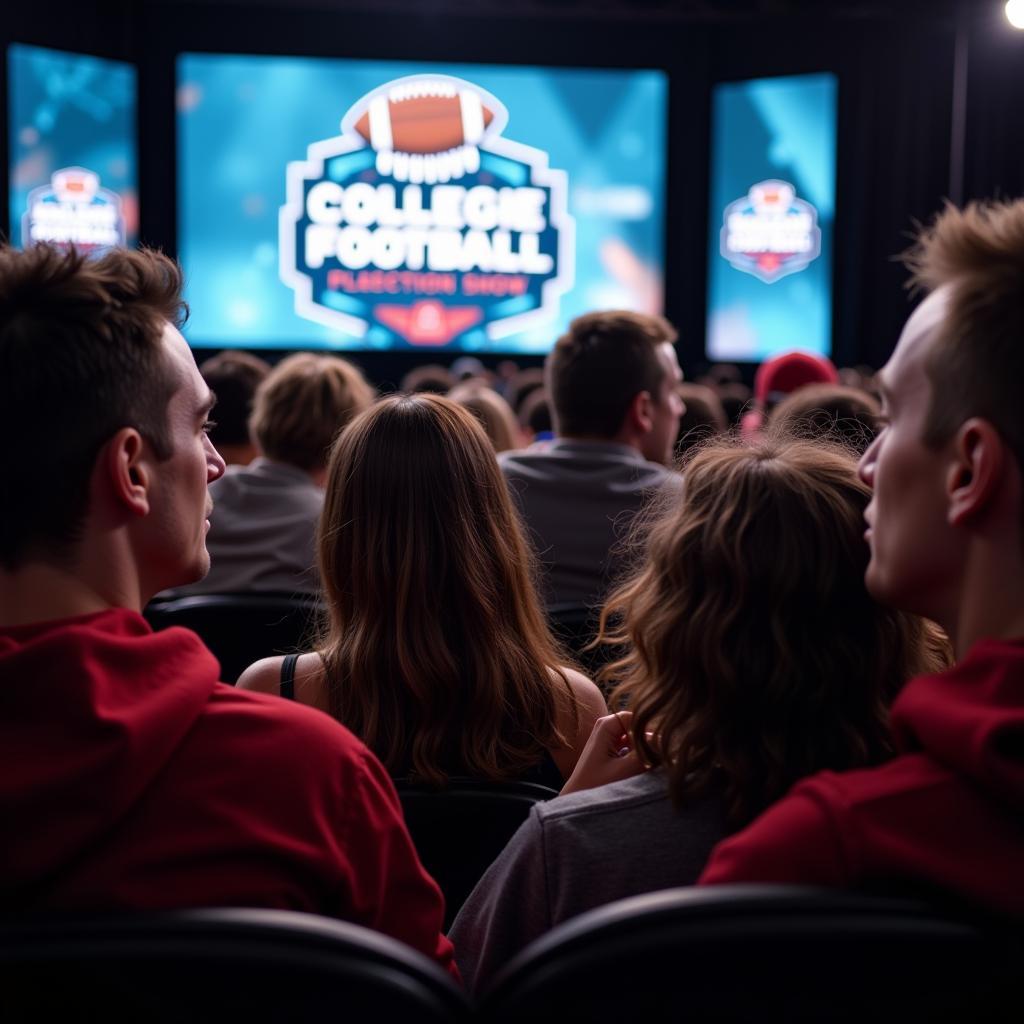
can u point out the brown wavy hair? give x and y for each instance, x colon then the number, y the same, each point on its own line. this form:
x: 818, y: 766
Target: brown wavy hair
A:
x: 437, y: 654
x: 757, y: 656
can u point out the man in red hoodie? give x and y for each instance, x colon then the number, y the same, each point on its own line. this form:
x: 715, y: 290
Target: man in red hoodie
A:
x: 946, y: 531
x: 132, y: 777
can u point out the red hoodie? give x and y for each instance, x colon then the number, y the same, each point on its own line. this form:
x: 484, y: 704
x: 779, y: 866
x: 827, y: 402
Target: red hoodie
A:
x: 948, y: 812
x: 132, y: 778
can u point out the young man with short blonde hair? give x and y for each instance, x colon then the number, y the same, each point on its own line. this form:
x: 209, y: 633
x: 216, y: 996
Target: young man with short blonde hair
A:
x: 946, y: 532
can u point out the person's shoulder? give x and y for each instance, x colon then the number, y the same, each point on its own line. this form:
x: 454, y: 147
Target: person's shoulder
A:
x: 249, y: 720
x: 230, y: 480
x: 896, y: 780
x: 263, y: 676
x: 520, y: 459
x: 585, y: 690
x: 655, y: 475
x: 613, y: 799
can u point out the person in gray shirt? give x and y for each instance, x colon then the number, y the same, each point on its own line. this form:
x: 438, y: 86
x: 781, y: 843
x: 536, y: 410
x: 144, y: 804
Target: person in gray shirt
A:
x: 755, y: 657
x: 263, y: 525
x: 612, y: 379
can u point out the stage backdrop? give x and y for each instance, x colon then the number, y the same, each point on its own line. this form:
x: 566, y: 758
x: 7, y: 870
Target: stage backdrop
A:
x: 387, y: 205
x: 773, y: 172
x: 72, y: 149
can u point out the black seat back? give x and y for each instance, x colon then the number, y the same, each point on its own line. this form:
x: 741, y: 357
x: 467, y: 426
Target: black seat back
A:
x: 241, y: 628
x: 575, y: 626
x: 460, y: 829
x: 221, y: 964
x: 763, y: 953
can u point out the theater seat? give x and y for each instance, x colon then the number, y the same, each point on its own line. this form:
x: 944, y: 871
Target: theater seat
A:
x: 764, y: 953
x: 460, y: 829
x: 241, y: 628
x: 219, y: 964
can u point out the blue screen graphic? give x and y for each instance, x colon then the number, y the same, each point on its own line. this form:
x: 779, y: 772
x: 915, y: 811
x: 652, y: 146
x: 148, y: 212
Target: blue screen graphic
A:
x: 388, y: 205
x: 771, y: 217
x: 73, y: 152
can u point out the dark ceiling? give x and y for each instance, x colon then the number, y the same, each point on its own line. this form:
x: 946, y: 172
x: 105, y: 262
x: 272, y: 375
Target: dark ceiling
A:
x: 692, y: 11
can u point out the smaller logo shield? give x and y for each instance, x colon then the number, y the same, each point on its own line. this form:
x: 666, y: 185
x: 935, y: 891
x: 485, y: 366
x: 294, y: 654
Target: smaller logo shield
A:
x: 769, y: 232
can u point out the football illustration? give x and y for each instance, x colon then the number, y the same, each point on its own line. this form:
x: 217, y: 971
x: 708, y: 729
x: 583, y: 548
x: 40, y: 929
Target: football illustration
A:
x: 424, y: 115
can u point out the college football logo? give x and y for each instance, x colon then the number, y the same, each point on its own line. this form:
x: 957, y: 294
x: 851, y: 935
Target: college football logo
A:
x: 421, y: 225
x: 74, y: 210
x: 769, y: 232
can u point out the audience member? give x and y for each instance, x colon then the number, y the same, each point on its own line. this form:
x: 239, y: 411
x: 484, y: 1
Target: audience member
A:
x: 535, y: 419
x: 844, y: 414
x: 436, y: 653
x: 703, y: 416
x: 780, y: 376
x: 133, y: 778
x: 755, y: 657
x: 612, y: 380
x: 719, y: 375
x: 263, y: 526
x: 469, y: 368
x: 493, y: 412
x: 861, y: 376
x: 736, y: 399
x: 233, y: 377
x: 946, y: 538
x: 430, y: 377
x: 522, y: 385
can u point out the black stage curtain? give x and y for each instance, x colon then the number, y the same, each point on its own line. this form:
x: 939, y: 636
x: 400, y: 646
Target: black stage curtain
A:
x: 994, y: 165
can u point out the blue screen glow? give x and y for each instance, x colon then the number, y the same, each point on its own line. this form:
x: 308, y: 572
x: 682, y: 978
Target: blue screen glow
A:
x: 368, y: 205
x: 771, y: 217
x: 72, y: 145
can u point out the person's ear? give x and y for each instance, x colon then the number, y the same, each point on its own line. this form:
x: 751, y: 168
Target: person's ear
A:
x: 128, y: 470
x: 641, y: 412
x: 976, y: 469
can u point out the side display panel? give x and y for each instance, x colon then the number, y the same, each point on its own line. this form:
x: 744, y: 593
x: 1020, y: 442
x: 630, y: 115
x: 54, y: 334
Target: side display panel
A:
x: 368, y: 205
x: 72, y: 149
x: 771, y: 217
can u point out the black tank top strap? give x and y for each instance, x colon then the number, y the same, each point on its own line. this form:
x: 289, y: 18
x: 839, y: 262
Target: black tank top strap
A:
x: 287, y: 689
x: 546, y: 773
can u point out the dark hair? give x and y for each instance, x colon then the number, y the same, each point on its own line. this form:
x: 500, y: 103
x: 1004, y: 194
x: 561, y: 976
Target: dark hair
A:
x: 522, y: 384
x: 976, y: 365
x: 233, y: 377
x: 80, y: 358
x: 535, y: 412
x: 430, y: 377
x: 600, y: 365
x: 703, y: 416
x: 735, y: 398
x: 757, y: 655
x: 834, y: 412
x: 437, y: 654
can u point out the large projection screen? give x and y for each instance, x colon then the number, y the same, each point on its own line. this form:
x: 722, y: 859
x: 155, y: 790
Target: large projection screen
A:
x: 771, y: 217
x: 72, y: 144
x: 361, y: 205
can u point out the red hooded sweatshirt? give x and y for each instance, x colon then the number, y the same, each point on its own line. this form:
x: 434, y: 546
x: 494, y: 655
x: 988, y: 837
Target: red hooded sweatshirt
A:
x: 132, y: 778
x: 947, y: 813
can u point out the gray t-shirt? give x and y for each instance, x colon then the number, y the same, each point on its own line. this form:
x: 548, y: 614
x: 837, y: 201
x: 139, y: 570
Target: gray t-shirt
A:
x: 578, y: 852
x: 262, y: 531
x: 578, y: 500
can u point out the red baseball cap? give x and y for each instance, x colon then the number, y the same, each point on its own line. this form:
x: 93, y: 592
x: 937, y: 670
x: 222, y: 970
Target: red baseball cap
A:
x: 783, y: 374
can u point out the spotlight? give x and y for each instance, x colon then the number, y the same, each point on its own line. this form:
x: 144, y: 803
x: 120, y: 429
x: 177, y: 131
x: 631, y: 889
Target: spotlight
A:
x: 1015, y: 13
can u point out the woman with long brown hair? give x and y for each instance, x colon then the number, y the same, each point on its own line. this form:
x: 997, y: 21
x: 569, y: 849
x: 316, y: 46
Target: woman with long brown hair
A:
x: 436, y: 652
x: 754, y: 656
